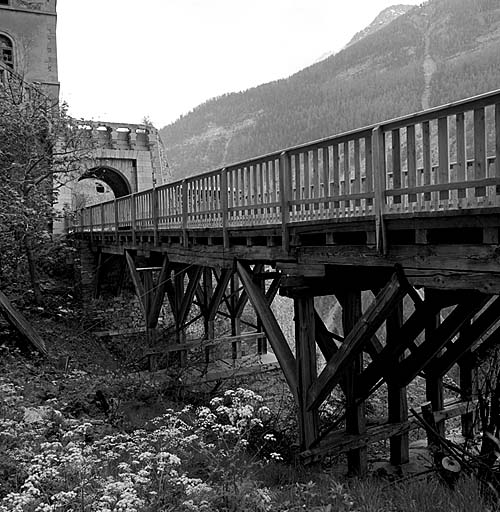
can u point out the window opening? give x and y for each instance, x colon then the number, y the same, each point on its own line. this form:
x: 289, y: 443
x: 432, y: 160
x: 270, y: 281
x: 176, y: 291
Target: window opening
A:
x: 6, y: 52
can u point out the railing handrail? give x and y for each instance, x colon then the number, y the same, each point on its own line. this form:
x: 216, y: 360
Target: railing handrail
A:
x: 390, y: 124
x: 350, y: 167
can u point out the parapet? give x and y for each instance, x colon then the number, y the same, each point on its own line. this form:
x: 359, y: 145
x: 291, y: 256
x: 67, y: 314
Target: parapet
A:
x: 124, y: 136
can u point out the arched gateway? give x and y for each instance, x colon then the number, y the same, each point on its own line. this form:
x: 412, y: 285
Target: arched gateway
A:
x: 127, y: 158
x: 116, y: 181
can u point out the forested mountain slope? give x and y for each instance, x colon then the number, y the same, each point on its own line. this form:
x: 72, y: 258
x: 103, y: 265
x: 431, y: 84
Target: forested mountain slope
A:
x: 441, y: 51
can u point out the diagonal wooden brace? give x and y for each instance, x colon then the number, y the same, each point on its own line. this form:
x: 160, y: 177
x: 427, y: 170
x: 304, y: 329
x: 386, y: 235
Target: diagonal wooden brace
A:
x: 354, y: 342
x: 271, y: 327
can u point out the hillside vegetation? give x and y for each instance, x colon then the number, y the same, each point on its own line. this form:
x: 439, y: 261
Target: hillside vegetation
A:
x: 379, y: 77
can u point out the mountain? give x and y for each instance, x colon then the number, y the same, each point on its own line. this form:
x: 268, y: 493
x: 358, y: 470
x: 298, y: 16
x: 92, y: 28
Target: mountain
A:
x: 384, y: 18
x: 438, y: 52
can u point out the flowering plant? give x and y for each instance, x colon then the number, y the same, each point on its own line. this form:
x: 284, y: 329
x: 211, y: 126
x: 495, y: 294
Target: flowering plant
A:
x: 183, y: 460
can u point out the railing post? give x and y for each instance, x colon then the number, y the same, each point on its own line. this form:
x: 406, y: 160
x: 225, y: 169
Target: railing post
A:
x: 102, y: 220
x: 91, y: 224
x: 378, y: 167
x: 284, y: 176
x: 116, y: 221
x: 224, y: 206
x: 155, y: 213
x: 133, y: 218
x: 184, y: 213
x: 80, y: 216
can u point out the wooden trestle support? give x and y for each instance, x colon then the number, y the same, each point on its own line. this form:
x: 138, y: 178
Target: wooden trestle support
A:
x: 402, y: 334
x: 332, y: 218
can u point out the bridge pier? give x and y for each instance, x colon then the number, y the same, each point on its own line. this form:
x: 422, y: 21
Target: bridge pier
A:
x: 86, y: 270
x: 397, y: 400
x: 355, y: 410
x: 305, y: 356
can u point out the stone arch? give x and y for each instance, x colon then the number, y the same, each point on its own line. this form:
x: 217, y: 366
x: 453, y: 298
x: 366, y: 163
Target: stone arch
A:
x: 118, y: 183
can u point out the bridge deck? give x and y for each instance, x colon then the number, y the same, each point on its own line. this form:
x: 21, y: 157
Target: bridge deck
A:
x: 422, y: 190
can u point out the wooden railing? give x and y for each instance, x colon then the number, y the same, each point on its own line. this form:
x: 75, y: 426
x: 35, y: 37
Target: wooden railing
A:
x: 439, y: 159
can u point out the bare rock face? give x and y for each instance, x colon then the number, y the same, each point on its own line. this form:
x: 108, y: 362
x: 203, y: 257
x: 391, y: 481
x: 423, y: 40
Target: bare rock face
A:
x: 384, y: 18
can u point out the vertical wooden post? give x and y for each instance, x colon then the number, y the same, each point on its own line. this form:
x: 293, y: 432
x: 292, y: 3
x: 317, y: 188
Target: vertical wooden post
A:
x: 155, y: 213
x: 305, y: 348
x: 433, y: 384
x: 480, y: 171
x: 133, y: 218
x: 235, y: 317
x: 224, y: 206
x: 284, y: 178
x: 411, y: 158
x: 102, y: 221
x: 261, y: 342
x: 91, y: 221
x: 497, y: 144
x: 147, y: 282
x: 208, y: 292
x: 355, y: 413
x: 184, y: 205
x: 179, y: 294
x: 466, y: 365
x: 396, y: 395
x: 427, y: 157
x: 461, y: 160
x: 396, y: 162
x: 116, y: 222
x: 444, y: 156
x: 208, y: 323
x: 378, y: 167
x: 98, y: 275
x: 326, y: 175
x: 148, y: 300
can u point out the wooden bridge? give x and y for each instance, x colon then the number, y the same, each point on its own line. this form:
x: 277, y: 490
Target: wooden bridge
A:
x: 407, y: 205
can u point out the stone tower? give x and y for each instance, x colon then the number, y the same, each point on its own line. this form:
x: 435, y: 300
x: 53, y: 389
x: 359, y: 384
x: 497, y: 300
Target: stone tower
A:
x: 28, y: 42
x: 128, y: 158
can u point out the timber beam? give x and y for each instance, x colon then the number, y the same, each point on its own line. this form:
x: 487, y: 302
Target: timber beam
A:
x: 442, y: 363
x: 339, y: 442
x: 480, y: 353
x: 272, y: 329
x: 444, y: 267
x: 355, y: 418
x: 354, y: 342
x: 159, y: 295
x: 325, y: 339
x: 218, y: 294
x: 194, y: 275
x: 305, y: 349
x: 424, y: 353
x: 397, y: 401
x: 372, y: 376
x: 479, y: 258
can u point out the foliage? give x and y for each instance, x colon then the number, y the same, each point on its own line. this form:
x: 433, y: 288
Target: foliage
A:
x: 40, y: 148
x: 190, y: 459
x: 221, y: 456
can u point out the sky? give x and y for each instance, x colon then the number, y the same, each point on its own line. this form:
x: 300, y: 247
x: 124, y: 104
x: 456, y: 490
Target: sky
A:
x: 124, y: 60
